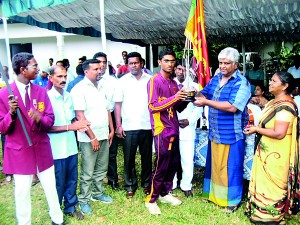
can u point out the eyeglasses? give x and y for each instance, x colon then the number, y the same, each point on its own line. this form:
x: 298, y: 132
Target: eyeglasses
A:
x: 169, y: 61
x: 33, y: 67
x: 273, y: 81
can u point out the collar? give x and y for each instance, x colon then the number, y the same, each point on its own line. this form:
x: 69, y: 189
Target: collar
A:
x: 56, y: 94
x: 143, y: 75
x: 234, y: 75
x: 22, y: 86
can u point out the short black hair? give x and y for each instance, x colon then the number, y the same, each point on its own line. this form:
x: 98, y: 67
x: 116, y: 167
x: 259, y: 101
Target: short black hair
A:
x: 61, y: 61
x: 257, y: 60
x: 79, y: 69
x: 51, y: 59
x: 287, y: 78
x: 66, y: 60
x: 21, y: 60
x: 6, y: 67
x: 164, y: 52
x: 134, y: 54
x: 86, y: 63
x: 100, y: 54
x: 179, y: 62
x: 262, y: 87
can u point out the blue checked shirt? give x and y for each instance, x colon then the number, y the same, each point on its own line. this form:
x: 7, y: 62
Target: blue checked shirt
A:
x: 227, y: 127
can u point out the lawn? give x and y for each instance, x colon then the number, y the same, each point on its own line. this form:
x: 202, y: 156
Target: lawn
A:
x: 132, y: 211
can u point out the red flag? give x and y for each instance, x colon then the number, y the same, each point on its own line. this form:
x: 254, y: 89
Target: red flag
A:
x: 195, y: 33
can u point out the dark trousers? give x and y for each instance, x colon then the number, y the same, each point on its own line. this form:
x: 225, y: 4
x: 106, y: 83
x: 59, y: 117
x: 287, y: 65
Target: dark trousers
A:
x: 134, y: 139
x: 3, y: 144
x: 66, y: 175
x: 112, y: 170
x: 165, y: 165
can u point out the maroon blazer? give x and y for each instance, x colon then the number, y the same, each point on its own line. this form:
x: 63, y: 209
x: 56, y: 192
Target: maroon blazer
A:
x: 19, y: 157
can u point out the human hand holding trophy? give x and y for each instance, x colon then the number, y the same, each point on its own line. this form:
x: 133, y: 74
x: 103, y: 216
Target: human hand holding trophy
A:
x: 189, y: 88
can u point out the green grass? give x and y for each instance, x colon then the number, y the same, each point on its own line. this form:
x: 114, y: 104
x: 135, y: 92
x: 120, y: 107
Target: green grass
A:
x: 131, y: 211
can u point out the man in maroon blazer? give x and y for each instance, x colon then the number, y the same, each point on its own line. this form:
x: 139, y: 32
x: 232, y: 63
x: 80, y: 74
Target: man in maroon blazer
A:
x: 20, y: 159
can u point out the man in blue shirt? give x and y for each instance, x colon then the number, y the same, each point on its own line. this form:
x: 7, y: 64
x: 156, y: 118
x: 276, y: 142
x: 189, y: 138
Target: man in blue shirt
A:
x: 227, y: 95
x: 63, y: 142
x: 42, y: 78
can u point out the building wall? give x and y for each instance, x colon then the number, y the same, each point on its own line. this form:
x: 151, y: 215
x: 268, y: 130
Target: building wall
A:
x: 44, y: 45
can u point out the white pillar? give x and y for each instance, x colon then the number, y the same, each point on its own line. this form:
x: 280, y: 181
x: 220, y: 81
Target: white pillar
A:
x: 8, y: 54
x: 60, y: 41
x: 102, y: 24
x: 244, y: 58
x: 151, y: 57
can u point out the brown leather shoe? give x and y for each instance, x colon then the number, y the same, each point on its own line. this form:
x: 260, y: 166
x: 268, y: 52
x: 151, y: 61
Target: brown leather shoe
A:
x: 147, y: 190
x: 130, y: 194
x: 77, y: 214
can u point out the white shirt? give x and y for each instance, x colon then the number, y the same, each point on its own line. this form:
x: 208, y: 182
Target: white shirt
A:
x: 94, y: 103
x: 256, y: 111
x: 22, y: 89
x: 297, y: 101
x: 63, y: 144
x: 295, y: 72
x: 109, y: 83
x: 133, y: 95
x: 191, y: 113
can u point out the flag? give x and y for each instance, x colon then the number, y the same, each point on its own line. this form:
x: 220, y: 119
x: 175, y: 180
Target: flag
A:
x: 195, y: 33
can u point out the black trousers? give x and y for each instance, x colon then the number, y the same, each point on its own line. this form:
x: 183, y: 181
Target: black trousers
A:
x: 141, y: 139
x: 112, y: 170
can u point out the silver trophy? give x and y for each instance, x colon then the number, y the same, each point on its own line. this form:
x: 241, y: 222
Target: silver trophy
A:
x: 189, y: 79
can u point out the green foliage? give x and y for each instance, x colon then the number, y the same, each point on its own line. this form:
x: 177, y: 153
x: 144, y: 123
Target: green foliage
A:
x: 284, y: 55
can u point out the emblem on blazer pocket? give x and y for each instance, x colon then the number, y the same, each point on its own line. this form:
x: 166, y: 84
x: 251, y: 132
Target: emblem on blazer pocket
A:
x: 41, y: 106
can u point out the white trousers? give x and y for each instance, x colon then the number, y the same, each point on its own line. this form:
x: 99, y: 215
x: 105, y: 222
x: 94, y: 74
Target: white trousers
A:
x: 186, y: 148
x: 23, y: 199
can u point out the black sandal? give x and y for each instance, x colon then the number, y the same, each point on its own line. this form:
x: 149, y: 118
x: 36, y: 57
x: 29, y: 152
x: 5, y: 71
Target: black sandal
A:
x: 231, y: 209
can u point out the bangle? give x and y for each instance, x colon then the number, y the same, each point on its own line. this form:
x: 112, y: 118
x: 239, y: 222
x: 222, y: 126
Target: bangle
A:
x: 118, y: 127
x: 67, y: 127
x: 93, y: 139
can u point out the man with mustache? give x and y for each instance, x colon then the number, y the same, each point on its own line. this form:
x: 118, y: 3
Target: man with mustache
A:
x: 109, y: 83
x: 227, y: 95
x: 90, y: 103
x: 63, y: 142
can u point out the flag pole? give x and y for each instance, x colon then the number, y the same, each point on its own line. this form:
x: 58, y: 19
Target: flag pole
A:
x: 18, y: 110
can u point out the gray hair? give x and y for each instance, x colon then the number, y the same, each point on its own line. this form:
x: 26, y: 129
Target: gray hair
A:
x: 229, y: 53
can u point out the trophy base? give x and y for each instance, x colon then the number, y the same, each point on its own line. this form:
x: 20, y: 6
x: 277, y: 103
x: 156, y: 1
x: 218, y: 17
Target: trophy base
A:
x: 190, y: 96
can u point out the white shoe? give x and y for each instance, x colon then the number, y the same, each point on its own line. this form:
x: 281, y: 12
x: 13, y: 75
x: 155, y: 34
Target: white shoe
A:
x: 153, y: 208
x: 170, y: 199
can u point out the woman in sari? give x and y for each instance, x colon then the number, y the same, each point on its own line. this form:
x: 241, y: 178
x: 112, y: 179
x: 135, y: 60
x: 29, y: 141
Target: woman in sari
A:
x: 272, y: 183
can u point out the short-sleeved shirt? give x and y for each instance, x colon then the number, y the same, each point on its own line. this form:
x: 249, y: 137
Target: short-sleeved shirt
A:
x: 227, y: 127
x: 92, y: 100
x: 132, y: 93
x: 109, y: 83
x: 295, y: 72
x: 63, y: 144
